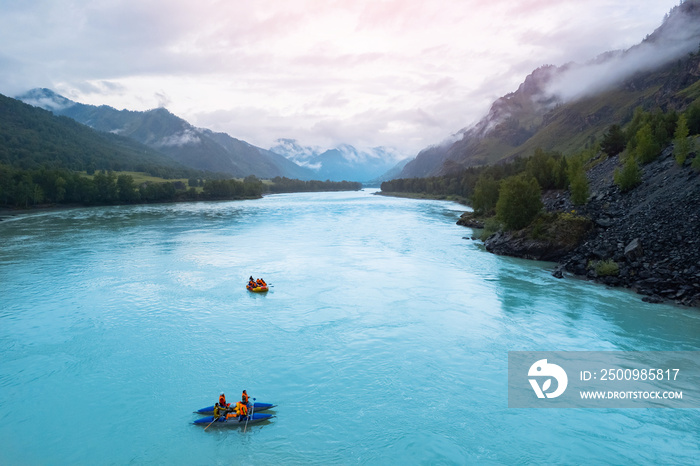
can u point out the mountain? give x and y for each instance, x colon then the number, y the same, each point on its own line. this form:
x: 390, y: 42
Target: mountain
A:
x: 33, y: 137
x: 391, y: 174
x: 344, y: 162
x: 174, y: 137
x: 292, y: 150
x: 568, y: 108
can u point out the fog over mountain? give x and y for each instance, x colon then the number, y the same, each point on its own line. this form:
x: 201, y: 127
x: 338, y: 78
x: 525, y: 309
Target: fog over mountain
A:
x: 678, y: 35
x: 516, y: 118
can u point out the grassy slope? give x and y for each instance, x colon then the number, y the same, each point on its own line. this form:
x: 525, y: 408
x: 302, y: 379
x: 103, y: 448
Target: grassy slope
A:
x: 570, y: 128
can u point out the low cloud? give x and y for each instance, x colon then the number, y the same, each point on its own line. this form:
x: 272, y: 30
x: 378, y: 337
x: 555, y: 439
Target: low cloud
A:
x: 163, y: 99
x: 180, y: 139
x: 677, y: 37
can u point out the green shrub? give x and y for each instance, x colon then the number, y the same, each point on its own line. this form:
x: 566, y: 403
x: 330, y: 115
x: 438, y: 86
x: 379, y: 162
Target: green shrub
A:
x: 606, y: 268
x: 563, y: 228
x: 538, y: 228
x: 485, y: 195
x: 519, y: 201
x: 491, y: 226
x: 630, y: 175
x: 578, y: 184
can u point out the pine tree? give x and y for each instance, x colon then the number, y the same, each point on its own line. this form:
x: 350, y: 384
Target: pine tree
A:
x: 647, y: 149
x: 578, y: 185
x: 613, y: 141
x: 681, y: 143
x: 630, y: 175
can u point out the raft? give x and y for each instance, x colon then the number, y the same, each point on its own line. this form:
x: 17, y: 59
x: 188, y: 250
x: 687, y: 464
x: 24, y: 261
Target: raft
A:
x: 257, y: 289
x: 252, y: 419
x: 254, y: 408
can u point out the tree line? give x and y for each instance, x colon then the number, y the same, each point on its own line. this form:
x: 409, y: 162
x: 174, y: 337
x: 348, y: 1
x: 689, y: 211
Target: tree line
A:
x: 516, y: 183
x: 281, y: 184
x: 44, y: 185
x: 26, y: 188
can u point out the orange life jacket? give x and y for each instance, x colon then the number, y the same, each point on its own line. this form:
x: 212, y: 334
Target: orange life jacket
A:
x: 222, y: 401
x: 259, y: 282
x: 244, y: 398
x: 242, y: 409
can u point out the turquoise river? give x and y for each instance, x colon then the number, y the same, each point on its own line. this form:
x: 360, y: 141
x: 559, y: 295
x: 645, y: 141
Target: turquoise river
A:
x: 384, y: 339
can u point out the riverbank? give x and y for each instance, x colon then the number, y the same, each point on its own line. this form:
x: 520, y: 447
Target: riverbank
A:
x: 10, y: 212
x: 647, y: 239
x: 651, y: 233
x: 433, y: 197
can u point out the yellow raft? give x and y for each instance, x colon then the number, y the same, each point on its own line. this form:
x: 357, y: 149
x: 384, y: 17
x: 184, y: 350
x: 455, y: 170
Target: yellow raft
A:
x: 257, y: 289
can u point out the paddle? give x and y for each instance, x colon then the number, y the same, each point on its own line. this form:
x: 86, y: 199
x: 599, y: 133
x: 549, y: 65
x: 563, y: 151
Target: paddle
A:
x: 248, y: 417
x: 212, y: 422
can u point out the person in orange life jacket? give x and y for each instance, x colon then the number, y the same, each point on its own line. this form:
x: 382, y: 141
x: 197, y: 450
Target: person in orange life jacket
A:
x: 240, y: 411
x: 222, y: 401
x: 244, y: 398
x: 252, y: 283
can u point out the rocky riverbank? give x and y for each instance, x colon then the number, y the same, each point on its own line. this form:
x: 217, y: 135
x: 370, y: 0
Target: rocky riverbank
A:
x: 647, y: 239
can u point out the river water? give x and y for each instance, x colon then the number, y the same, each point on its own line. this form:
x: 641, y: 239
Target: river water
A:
x: 384, y: 339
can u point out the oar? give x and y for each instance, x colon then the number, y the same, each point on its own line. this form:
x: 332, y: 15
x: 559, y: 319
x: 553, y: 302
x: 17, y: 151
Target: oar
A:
x: 212, y: 422
x: 248, y: 417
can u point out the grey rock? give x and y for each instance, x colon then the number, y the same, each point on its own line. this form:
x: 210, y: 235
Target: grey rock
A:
x: 634, y: 250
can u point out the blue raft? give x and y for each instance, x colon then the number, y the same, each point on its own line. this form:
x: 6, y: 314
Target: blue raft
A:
x: 253, y: 408
x: 234, y: 421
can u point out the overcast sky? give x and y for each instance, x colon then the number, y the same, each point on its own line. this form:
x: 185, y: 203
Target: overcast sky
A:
x: 396, y: 73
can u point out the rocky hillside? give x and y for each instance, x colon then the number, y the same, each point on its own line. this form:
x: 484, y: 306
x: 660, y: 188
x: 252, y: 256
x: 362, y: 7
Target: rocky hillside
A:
x: 647, y: 239
x: 652, y: 232
x: 567, y: 108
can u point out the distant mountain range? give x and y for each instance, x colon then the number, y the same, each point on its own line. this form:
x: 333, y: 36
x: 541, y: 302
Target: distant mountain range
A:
x: 570, y: 107
x: 341, y: 163
x: 204, y: 149
x: 174, y: 137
